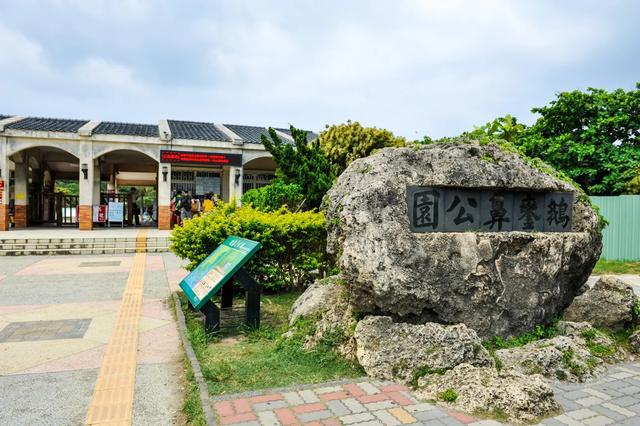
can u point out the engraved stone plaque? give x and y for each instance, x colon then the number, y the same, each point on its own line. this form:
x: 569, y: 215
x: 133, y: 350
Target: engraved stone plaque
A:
x: 528, y: 211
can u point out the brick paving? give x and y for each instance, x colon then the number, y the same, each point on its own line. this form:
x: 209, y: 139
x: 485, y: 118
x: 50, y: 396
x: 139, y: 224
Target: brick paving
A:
x: 612, y: 399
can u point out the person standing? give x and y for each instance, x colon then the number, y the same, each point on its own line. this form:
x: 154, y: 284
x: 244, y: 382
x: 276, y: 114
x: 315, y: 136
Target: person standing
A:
x: 185, y: 206
x: 207, y: 204
x: 134, y: 206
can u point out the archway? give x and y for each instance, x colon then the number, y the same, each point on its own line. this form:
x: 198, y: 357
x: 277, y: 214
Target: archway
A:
x: 129, y: 177
x: 43, y: 187
x: 258, y: 172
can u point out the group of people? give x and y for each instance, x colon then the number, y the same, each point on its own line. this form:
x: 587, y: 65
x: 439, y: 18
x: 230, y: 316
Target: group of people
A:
x: 185, y: 206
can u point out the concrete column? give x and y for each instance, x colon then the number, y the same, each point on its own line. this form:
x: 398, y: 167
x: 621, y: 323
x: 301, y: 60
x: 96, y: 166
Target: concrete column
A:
x: 234, y: 184
x: 21, y: 192
x: 96, y: 182
x: 224, y: 188
x: 86, y: 199
x: 4, y: 177
x: 164, y: 196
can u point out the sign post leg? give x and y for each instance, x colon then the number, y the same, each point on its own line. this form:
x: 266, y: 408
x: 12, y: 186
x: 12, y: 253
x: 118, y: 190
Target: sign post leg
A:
x: 227, y: 295
x: 252, y: 298
x: 252, y: 307
x: 211, y: 317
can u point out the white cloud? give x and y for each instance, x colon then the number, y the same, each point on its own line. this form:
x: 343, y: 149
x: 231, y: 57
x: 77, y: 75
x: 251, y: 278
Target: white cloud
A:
x: 103, y: 75
x: 18, y: 53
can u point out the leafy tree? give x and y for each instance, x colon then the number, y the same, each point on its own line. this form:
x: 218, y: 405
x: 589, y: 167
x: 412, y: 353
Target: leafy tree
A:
x: 346, y: 142
x: 506, y: 128
x: 67, y: 187
x: 302, y: 163
x: 272, y: 197
x: 592, y: 136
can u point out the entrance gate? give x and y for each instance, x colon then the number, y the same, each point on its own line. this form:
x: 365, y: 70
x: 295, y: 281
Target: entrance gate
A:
x: 66, y: 209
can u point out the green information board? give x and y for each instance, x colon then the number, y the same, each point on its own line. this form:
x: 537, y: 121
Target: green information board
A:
x: 213, y: 272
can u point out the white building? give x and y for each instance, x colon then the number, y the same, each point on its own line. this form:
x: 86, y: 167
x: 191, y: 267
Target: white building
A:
x: 103, y: 156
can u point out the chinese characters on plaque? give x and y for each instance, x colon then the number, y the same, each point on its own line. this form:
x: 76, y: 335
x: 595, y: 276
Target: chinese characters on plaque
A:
x: 433, y: 209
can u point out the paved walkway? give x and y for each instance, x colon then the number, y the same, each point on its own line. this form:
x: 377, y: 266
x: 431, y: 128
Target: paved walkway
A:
x: 60, y: 317
x: 37, y: 233
x: 612, y: 399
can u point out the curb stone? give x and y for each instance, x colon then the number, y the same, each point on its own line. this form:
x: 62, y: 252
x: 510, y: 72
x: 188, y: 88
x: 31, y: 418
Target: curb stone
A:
x: 195, y: 365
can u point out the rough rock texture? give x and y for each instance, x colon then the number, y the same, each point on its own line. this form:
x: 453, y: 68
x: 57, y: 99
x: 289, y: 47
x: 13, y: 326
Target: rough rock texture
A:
x: 486, y: 391
x: 500, y: 283
x: 404, y: 352
x: 634, y: 342
x: 326, y: 302
x: 609, y: 303
x: 580, y: 353
x: 560, y: 358
x: 317, y: 298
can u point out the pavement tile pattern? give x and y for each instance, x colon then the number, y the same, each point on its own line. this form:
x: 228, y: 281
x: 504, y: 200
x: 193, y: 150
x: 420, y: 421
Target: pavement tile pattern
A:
x: 57, y: 315
x: 363, y: 402
x: 29, y: 331
x: 613, y: 399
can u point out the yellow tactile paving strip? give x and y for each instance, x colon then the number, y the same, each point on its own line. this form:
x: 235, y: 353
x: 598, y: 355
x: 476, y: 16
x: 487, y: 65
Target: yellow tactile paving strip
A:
x: 112, y: 401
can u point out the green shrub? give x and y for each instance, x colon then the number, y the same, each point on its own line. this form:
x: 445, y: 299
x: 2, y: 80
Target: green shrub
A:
x: 448, y: 395
x: 293, y: 244
x: 539, y: 332
x: 271, y: 197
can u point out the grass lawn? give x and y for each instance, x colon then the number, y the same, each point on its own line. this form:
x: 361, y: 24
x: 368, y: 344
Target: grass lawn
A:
x: 616, y: 267
x: 242, y: 359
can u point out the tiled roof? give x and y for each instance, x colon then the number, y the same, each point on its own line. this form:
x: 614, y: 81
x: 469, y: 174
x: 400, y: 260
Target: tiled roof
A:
x: 112, y: 128
x: 249, y: 134
x: 195, y: 130
x: 48, y: 124
x: 310, y: 135
x: 179, y: 129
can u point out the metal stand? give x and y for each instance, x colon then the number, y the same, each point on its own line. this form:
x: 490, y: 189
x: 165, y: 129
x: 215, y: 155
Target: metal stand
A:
x: 252, y: 302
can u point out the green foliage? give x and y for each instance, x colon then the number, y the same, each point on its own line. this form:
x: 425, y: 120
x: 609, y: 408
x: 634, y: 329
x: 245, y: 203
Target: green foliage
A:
x: 192, y: 406
x: 302, y: 163
x: 346, y: 142
x: 505, y: 128
x: 616, y: 267
x: 67, y: 187
x: 293, y: 244
x: 448, y: 395
x: 636, y: 310
x: 425, y: 371
x: 539, y: 332
x: 250, y: 359
x: 271, y: 197
x: 569, y: 362
x: 592, y: 136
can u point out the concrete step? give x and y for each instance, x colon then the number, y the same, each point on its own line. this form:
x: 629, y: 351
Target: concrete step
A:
x: 58, y: 246
x: 92, y: 251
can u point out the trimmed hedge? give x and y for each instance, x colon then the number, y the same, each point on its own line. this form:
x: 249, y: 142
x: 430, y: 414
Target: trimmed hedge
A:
x: 293, y: 244
x: 272, y: 197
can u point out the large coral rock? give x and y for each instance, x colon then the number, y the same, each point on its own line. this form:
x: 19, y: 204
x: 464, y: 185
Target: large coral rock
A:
x: 500, y: 283
x: 578, y: 354
x: 404, y: 352
x: 609, y: 303
x: 325, y: 303
x: 508, y: 394
x: 634, y: 342
x: 317, y: 298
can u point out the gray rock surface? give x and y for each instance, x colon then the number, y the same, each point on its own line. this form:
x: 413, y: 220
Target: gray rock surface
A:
x: 317, y: 298
x: 578, y: 354
x: 500, y: 283
x: 400, y: 351
x: 560, y: 358
x: 326, y: 303
x: 634, y: 342
x: 609, y: 303
x: 502, y: 394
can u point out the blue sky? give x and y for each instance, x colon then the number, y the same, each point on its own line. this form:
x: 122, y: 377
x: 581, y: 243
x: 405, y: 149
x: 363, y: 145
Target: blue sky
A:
x: 414, y: 67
